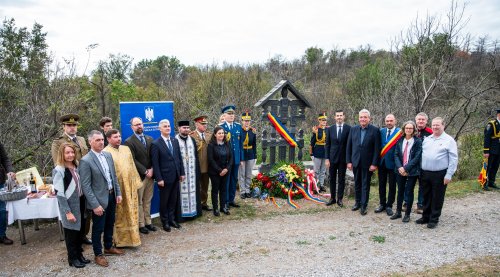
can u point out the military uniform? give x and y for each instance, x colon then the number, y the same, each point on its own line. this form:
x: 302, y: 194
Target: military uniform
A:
x: 492, y: 147
x: 318, y: 151
x: 234, y: 135
x: 79, y: 142
x: 202, y: 141
x: 249, y: 157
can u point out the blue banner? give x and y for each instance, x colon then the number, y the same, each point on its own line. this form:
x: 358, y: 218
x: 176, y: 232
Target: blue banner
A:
x: 151, y: 113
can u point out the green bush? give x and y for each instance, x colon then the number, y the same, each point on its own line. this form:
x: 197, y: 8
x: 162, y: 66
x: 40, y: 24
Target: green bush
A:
x: 470, y: 156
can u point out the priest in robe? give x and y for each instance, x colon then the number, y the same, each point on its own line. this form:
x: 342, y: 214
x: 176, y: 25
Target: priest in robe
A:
x: 126, y: 232
x: 190, y: 197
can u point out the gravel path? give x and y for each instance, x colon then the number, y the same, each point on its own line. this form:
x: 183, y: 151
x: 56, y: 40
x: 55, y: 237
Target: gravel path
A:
x: 334, y: 242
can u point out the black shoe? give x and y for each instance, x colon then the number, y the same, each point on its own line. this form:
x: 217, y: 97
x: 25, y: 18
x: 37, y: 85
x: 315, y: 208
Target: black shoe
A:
x: 83, y: 260
x: 396, y: 216
x: 175, y: 224
x: 406, y: 219
x: 340, y: 203
x: 226, y: 211
x: 232, y: 204
x: 363, y: 211
x: 243, y: 195
x: 355, y: 207
x: 206, y: 208
x: 85, y: 240
x: 389, y: 211
x: 432, y: 225
x: 331, y: 202
x: 494, y: 186
x: 5, y: 240
x: 422, y: 221
x: 144, y: 230
x: 167, y: 228
x: 216, y: 213
x: 380, y: 209
x: 150, y: 227
x: 76, y: 263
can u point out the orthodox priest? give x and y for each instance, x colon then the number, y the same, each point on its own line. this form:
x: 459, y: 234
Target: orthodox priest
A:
x: 126, y: 232
x: 190, y: 198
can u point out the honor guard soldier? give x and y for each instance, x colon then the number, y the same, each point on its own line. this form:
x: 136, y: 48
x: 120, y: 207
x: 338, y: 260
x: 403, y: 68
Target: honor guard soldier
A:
x: 234, y: 136
x: 491, y: 150
x: 249, y: 155
x: 70, y: 128
x: 317, y: 150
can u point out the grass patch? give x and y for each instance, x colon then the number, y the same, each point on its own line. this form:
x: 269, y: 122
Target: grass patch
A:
x: 379, y: 239
x: 483, y: 266
x: 332, y: 237
x: 302, y: 242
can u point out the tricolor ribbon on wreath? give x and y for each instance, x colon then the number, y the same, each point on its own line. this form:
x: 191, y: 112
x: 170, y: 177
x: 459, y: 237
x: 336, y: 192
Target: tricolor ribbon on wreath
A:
x: 282, y: 130
x: 305, y: 193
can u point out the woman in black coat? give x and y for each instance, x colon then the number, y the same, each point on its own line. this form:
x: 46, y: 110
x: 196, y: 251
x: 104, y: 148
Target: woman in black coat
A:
x: 219, y: 164
x: 407, y: 157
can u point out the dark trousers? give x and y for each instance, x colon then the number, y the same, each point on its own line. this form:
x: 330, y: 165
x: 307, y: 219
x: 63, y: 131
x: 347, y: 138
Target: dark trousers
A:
x: 231, y: 182
x: 218, y: 191
x: 73, y: 238
x: 406, y: 185
x: 493, y: 163
x: 104, y: 224
x: 434, y: 191
x: 169, y: 197
x: 337, y: 169
x: 420, y: 197
x: 204, y: 180
x: 362, y: 177
x: 385, y: 173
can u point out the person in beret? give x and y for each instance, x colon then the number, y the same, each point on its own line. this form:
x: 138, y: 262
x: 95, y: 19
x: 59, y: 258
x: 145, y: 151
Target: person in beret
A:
x: 317, y: 150
x: 249, y: 155
x: 202, y: 138
x: 70, y: 128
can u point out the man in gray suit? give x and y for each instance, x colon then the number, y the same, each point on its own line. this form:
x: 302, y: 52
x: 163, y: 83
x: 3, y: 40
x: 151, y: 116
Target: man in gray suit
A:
x: 101, y: 189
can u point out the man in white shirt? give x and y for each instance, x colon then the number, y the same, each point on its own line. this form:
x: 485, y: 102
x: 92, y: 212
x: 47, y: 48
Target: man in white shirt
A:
x: 439, y: 163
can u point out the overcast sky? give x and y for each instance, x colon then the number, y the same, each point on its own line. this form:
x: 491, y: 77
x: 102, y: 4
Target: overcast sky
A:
x: 206, y: 32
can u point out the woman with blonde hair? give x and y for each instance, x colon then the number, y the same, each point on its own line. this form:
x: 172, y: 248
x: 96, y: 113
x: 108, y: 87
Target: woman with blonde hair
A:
x: 71, y: 203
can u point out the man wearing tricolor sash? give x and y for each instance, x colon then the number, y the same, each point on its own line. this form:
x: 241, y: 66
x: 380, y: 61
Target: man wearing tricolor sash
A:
x: 389, y: 137
x: 190, y: 199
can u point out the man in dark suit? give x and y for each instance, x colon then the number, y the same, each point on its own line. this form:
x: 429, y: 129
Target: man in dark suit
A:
x: 168, y: 170
x: 140, y: 146
x: 336, y: 142
x: 102, y: 191
x: 389, y: 136
x: 362, y: 157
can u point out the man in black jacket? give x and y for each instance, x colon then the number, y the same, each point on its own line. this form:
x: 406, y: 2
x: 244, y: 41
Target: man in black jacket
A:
x: 336, y: 143
x: 362, y: 157
x: 491, y: 150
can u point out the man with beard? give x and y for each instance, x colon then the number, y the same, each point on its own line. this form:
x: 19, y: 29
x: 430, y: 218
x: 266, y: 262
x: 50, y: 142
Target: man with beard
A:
x: 190, y: 202
x: 140, y: 146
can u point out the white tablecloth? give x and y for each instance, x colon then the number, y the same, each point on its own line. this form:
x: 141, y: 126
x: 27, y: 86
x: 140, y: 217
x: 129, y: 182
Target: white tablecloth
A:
x: 32, y: 209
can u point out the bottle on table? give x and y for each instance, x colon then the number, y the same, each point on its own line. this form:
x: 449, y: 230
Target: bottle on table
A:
x: 32, y: 183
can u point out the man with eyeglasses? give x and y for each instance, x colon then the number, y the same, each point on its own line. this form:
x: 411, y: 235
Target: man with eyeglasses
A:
x: 140, y: 146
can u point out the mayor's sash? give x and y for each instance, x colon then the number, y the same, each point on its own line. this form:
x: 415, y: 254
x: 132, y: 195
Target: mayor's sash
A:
x: 390, y: 144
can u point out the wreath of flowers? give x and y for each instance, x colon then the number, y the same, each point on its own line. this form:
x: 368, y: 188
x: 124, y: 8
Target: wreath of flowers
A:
x: 277, y: 182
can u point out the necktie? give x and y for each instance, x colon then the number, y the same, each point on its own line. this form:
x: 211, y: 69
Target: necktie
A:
x: 388, y: 134
x: 405, y: 154
x: 169, y: 145
x: 203, y: 137
x: 340, y: 131
x: 143, y: 141
x: 75, y: 141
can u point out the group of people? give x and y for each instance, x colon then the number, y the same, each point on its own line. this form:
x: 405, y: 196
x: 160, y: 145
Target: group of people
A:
x: 402, y: 156
x: 108, y: 187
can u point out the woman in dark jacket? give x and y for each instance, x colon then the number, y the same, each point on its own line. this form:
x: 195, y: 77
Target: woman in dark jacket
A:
x: 407, y: 156
x: 71, y: 203
x: 219, y: 164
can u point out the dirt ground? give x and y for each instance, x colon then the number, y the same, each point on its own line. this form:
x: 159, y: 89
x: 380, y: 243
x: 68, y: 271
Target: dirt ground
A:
x: 262, y: 240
